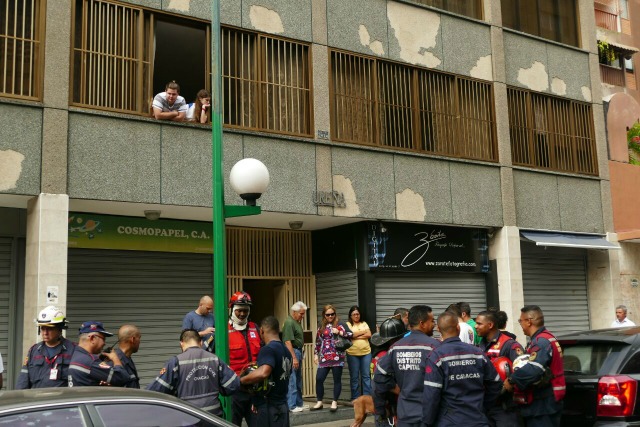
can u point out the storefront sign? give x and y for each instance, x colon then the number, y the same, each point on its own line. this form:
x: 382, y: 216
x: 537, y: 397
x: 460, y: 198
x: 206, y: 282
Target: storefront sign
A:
x: 329, y: 198
x: 415, y: 247
x: 139, y: 234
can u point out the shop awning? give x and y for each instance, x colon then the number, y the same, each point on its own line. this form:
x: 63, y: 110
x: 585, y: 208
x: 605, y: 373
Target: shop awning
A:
x: 623, y: 48
x: 586, y: 241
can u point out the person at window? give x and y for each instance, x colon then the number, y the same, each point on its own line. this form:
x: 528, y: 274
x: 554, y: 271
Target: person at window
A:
x: 128, y: 343
x: 47, y: 362
x: 201, y: 319
x: 271, y: 378
x: 293, y: 338
x: 196, y: 376
x: 359, y: 354
x: 169, y: 105
x: 90, y: 366
x: 621, y: 318
x: 327, y: 357
x: 200, y: 110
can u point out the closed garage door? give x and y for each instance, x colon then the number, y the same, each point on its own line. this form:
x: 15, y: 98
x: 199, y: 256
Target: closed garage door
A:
x: 434, y: 290
x: 152, y: 290
x: 6, y: 257
x: 556, y: 280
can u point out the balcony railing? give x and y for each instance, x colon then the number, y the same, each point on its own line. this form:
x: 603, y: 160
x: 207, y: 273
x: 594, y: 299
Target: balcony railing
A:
x: 607, y: 20
x: 612, y: 75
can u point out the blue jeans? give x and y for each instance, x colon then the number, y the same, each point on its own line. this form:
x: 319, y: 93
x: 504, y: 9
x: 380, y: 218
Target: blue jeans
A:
x: 321, y: 375
x: 294, y: 395
x: 359, y: 366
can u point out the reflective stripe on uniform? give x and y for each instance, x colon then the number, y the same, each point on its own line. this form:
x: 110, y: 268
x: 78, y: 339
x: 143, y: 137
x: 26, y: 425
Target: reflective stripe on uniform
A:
x: 80, y: 368
x: 381, y: 370
x: 164, y: 383
x: 536, y: 364
x: 194, y: 361
x: 110, y: 375
x: 411, y: 347
x: 459, y: 357
x: 432, y: 384
x: 230, y: 381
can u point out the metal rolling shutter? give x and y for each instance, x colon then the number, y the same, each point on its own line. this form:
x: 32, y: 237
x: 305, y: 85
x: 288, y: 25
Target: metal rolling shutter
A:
x: 556, y: 280
x: 434, y: 290
x: 5, y: 292
x: 339, y: 289
x: 152, y: 290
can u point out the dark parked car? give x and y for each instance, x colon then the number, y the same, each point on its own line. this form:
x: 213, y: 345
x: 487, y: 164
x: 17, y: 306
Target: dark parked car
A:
x: 99, y: 407
x: 602, y: 370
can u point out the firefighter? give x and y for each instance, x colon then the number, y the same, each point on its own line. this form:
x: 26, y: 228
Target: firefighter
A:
x: 47, y: 362
x: 539, y: 384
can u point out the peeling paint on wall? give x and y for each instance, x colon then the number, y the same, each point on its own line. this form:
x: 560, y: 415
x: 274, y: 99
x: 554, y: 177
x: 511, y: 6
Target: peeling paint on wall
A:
x: 586, y: 93
x: 10, y: 168
x: 410, y: 206
x: 483, y: 69
x: 535, y: 78
x: 267, y: 20
x: 343, y: 185
x: 365, y: 39
x: 416, y: 31
x: 181, y: 5
x: 558, y: 86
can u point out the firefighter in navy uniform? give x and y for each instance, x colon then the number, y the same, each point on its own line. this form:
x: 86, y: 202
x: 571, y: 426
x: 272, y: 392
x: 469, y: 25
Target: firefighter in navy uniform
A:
x: 404, y: 365
x: 47, y: 362
x: 460, y: 382
x: 90, y: 366
x: 244, y: 346
x: 495, y: 345
x: 539, y: 383
x: 196, y: 376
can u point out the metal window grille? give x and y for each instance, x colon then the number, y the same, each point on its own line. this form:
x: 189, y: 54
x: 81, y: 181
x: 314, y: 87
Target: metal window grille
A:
x: 470, y: 8
x: 266, y: 83
x: 392, y: 105
x: 21, y: 33
x: 111, y: 63
x: 551, y: 133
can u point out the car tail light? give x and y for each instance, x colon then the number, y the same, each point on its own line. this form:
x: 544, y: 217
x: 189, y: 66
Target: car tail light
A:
x: 616, y: 396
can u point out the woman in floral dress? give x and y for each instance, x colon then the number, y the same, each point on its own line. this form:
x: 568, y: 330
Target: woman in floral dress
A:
x: 327, y: 357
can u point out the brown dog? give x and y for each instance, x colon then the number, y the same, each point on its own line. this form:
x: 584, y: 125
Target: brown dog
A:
x: 361, y: 407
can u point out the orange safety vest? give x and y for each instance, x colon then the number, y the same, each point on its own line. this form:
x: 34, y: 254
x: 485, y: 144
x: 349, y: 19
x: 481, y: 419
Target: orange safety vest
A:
x: 239, y: 354
x: 557, y: 381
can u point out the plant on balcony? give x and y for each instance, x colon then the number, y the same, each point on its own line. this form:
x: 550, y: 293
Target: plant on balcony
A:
x: 633, y: 142
x: 606, y: 53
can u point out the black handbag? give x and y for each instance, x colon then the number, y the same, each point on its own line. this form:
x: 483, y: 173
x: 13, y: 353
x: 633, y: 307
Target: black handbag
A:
x: 342, y: 343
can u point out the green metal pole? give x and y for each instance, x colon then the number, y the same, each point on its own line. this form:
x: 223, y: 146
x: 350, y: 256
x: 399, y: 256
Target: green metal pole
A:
x: 219, y: 235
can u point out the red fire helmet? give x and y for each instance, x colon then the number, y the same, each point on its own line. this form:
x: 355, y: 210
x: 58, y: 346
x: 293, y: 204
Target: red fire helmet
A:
x: 503, y: 366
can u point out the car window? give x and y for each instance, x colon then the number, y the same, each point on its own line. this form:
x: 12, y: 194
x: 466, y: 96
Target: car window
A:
x: 632, y: 366
x: 147, y: 415
x: 589, y: 358
x: 60, y: 417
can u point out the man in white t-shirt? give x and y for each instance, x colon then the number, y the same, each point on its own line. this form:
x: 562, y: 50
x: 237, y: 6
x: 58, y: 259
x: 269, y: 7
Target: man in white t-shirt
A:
x: 169, y: 105
x: 621, y: 318
x: 467, y: 334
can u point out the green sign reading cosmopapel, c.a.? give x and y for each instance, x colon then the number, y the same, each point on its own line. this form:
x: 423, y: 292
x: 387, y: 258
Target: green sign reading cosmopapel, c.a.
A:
x: 91, y: 231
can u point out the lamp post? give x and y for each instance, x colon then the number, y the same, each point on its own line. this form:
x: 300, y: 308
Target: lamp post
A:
x: 249, y: 178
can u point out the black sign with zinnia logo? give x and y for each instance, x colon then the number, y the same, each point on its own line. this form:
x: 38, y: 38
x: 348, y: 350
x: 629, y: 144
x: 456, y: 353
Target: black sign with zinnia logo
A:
x: 416, y: 247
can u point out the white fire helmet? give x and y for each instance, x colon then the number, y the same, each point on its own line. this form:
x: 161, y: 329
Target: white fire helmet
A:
x: 52, y: 316
x: 521, y: 361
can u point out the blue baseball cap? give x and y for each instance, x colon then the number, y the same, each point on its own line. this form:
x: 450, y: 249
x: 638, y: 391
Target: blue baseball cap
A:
x: 93, y: 326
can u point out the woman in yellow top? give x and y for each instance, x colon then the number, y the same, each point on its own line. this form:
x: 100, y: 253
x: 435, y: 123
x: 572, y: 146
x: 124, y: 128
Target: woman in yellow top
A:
x: 359, y: 354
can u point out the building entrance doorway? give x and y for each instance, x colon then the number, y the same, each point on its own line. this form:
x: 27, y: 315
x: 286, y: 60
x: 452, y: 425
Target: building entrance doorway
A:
x: 269, y: 297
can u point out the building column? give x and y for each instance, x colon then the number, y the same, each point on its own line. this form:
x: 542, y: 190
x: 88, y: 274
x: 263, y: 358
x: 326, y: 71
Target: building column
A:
x: 46, y: 260
x: 505, y: 250
x: 603, y: 285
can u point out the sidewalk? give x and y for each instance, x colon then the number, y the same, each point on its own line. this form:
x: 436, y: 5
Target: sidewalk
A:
x: 343, y: 417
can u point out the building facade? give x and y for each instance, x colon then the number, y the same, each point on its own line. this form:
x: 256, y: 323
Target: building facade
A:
x: 419, y: 151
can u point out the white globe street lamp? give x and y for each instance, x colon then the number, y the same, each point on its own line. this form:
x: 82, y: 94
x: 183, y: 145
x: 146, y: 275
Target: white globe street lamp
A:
x: 249, y: 178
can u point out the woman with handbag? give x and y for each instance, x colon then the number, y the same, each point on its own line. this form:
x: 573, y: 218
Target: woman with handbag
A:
x: 329, y: 355
x: 359, y: 355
